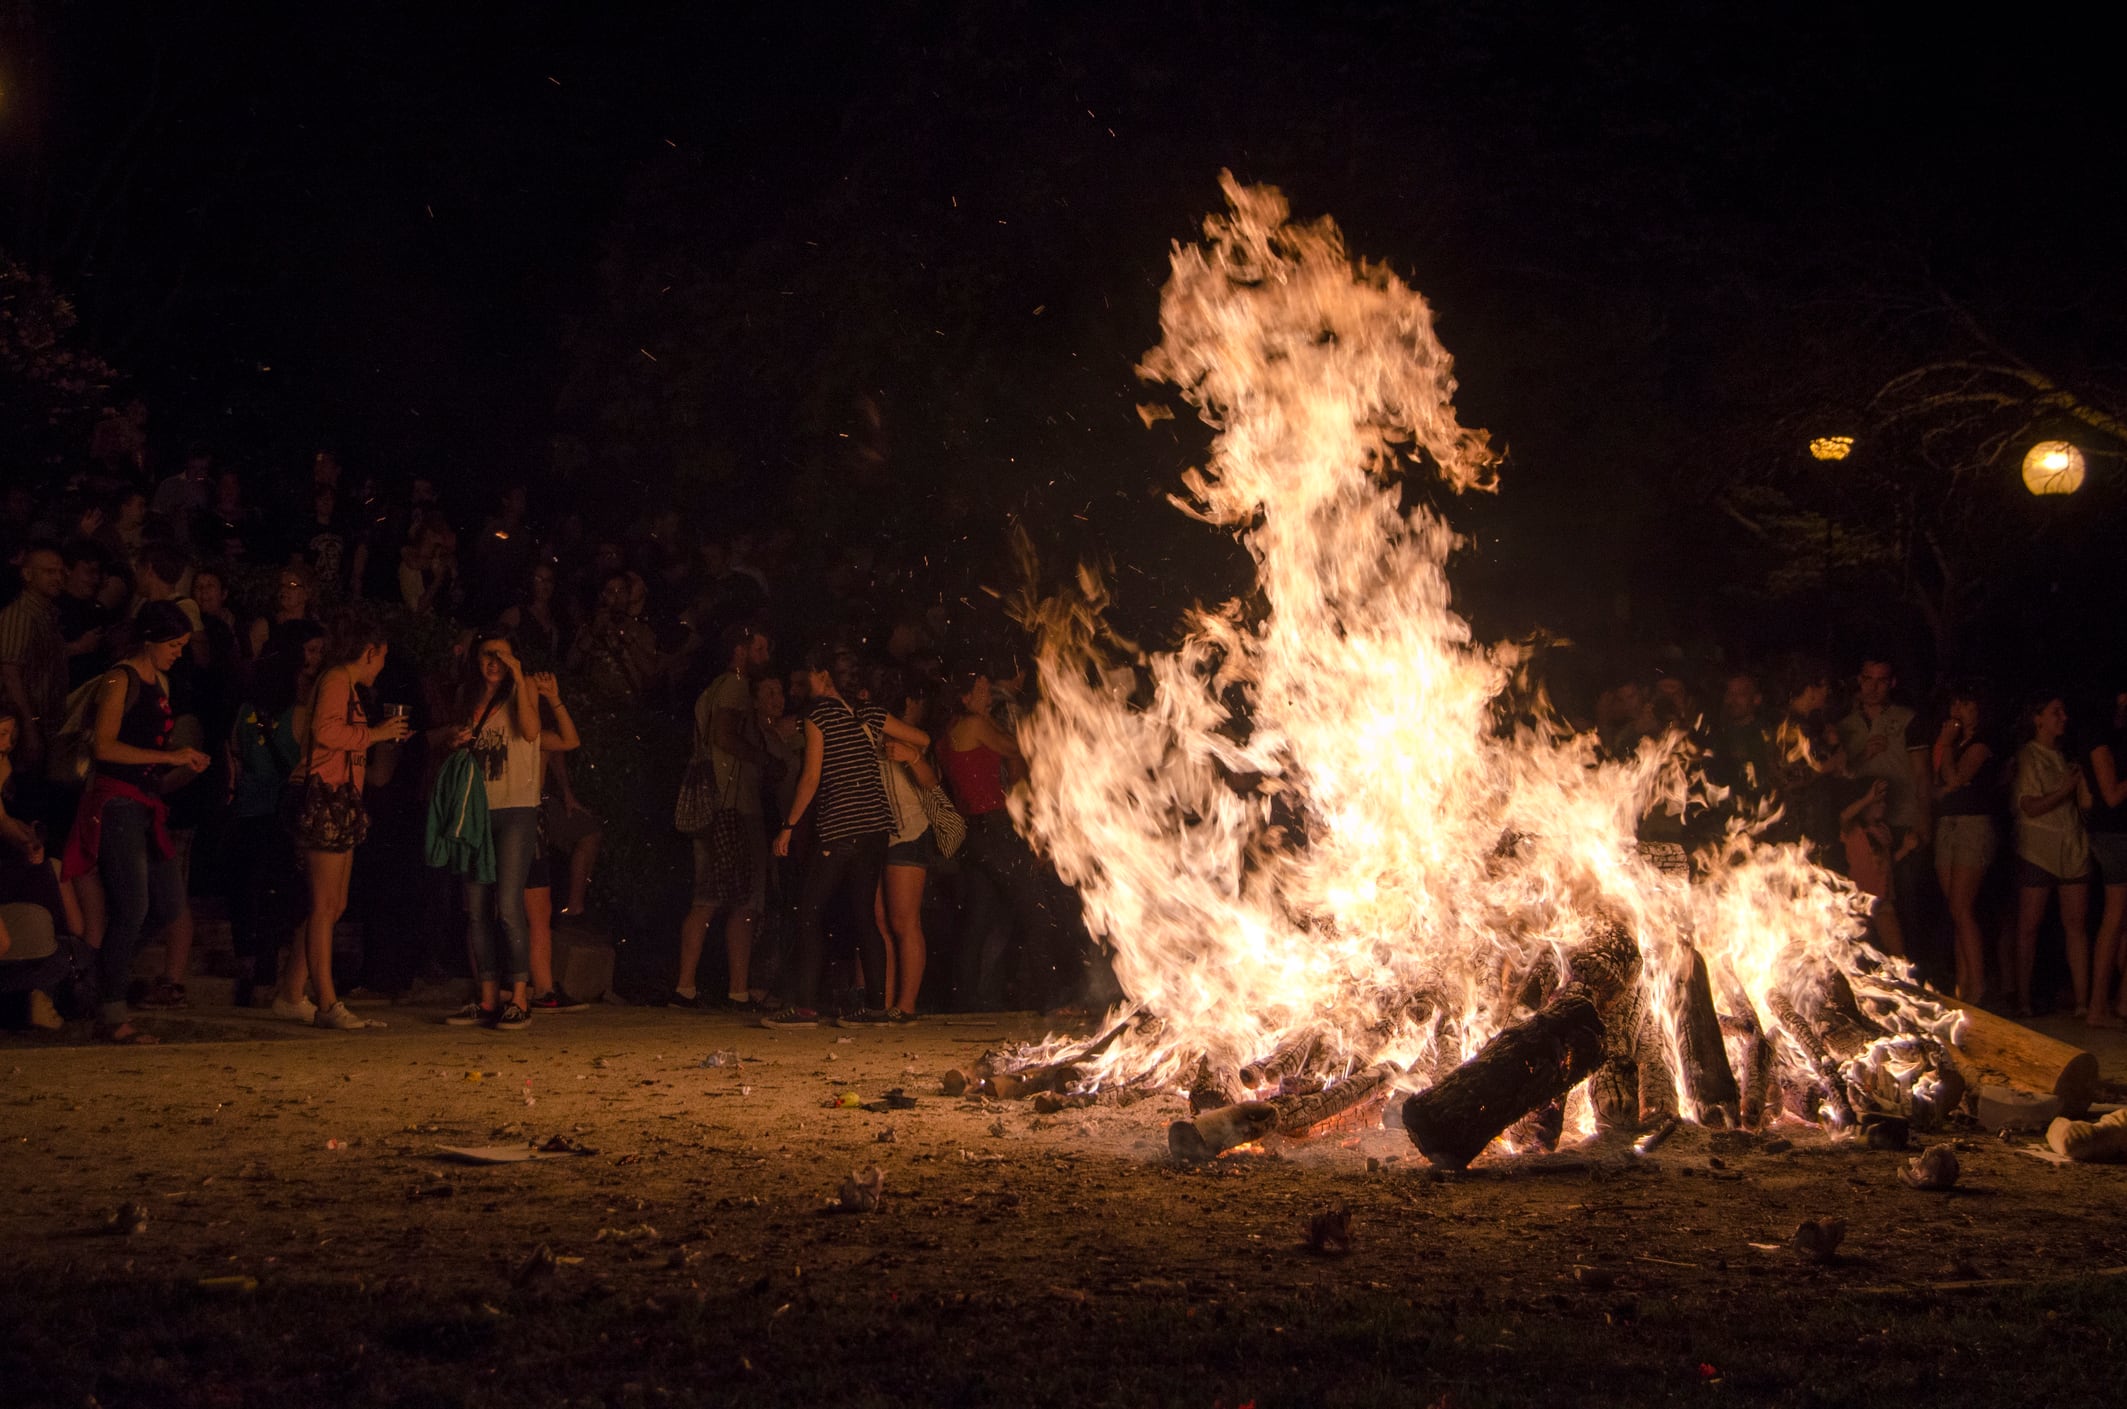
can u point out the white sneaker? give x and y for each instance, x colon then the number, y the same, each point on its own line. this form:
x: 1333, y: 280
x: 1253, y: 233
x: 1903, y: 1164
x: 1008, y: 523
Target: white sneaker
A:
x: 341, y: 1018
x: 302, y: 1010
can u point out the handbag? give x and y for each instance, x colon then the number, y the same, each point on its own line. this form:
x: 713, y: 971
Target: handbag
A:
x: 695, y: 808
x: 948, y: 827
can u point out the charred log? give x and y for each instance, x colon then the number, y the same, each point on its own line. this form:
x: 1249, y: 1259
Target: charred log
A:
x: 1709, y: 1083
x: 1213, y: 1087
x: 1833, y: 1085
x: 1289, y: 1059
x: 1530, y: 1064
x: 1354, y: 1101
x: 1295, y: 1117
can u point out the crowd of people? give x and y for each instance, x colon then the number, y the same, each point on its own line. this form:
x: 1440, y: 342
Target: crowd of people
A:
x: 1962, y: 824
x: 210, y: 700
x: 202, y: 706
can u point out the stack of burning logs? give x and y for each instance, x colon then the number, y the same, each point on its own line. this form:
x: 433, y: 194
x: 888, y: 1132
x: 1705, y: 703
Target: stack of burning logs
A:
x: 1844, y: 1063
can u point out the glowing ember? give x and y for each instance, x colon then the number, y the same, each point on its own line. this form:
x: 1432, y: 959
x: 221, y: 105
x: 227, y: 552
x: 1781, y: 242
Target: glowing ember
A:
x: 1327, y: 814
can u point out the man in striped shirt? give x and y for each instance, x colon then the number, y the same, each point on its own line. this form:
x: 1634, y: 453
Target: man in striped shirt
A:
x: 841, y: 774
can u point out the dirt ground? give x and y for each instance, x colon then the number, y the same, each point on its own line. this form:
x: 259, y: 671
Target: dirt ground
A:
x: 304, y: 1235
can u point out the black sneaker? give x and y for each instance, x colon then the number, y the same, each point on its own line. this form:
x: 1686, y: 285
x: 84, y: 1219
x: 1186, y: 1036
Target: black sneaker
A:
x: 557, y: 1000
x: 677, y: 999
x: 864, y: 1017
x: 485, y: 1017
x: 791, y: 1017
x: 899, y: 1018
x: 471, y: 1015
x: 511, y: 1018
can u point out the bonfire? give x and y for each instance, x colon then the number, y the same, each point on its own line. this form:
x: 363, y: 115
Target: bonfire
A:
x: 1341, y: 853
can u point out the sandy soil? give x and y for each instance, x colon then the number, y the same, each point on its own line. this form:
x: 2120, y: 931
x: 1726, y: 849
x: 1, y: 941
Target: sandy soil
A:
x: 299, y: 1159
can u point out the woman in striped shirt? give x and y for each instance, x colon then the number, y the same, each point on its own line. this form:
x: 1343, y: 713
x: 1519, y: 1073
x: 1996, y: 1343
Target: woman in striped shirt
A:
x: 841, y: 773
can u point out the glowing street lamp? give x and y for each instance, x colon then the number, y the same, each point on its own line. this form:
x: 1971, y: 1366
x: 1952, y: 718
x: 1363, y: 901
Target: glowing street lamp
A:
x: 2053, y: 467
x: 1831, y: 447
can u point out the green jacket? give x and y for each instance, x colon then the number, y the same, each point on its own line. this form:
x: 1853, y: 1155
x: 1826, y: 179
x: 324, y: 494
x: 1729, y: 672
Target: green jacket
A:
x: 459, y: 837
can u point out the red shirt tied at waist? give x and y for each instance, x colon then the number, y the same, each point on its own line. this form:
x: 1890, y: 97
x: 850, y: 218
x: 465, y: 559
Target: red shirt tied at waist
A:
x: 976, y: 776
x: 85, y: 842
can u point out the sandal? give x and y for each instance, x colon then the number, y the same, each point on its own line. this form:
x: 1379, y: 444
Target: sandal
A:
x: 127, y: 1035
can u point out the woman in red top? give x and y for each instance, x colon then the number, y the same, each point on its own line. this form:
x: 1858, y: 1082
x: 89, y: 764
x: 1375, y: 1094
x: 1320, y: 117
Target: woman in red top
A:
x: 332, y: 821
x: 1004, y: 888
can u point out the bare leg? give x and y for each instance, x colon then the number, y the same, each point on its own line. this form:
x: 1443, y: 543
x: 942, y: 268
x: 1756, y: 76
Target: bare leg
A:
x: 878, y: 911
x: 2075, y: 926
x: 738, y: 951
x: 2030, y: 913
x: 329, y: 871
x: 88, y: 890
x: 539, y: 926
x: 177, y: 942
x: 692, y: 931
x: 904, y: 908
x: 2106, y: 956
x: 581, y: 860
x: 1962, y: 890
x: 295, y: 966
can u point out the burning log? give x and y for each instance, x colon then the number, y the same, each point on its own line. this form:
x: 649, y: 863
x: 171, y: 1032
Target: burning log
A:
x: 1532, y: 1062
x: 1708, y: 1082
x: 1289, y: 1059
x: 1868, y: 1068
x: 1335, y: 1106
x: 1056, y: 1076
x: 1292, y: 1117
x: 1812, y: 1044
x: 1213, y: 1088
x: 1759, y: 1095
x: 1657, y: 1079
x: 1619, y: 1089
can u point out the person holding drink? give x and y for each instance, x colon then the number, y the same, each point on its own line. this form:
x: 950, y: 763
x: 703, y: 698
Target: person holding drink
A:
x: 331, y: 820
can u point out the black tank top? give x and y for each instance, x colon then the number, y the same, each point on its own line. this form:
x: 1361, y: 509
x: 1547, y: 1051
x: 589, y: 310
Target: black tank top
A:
x: 2103, y: 818
x: 146, y: 724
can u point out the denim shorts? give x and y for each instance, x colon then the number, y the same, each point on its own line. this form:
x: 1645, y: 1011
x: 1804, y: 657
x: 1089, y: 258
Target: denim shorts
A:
x: 2109, y: 850
x: 922, y: 851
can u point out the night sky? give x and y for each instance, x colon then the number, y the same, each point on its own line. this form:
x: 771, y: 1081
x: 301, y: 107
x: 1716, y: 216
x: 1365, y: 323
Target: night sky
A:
x: 775, y: 260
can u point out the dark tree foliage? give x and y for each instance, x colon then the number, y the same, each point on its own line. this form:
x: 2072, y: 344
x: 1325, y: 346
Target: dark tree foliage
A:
x: 884, y: 271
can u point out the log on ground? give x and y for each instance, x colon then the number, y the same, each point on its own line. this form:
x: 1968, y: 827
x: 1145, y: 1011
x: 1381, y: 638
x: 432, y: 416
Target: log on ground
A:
x: 1993, y: 1049
x: 1296, y: 1117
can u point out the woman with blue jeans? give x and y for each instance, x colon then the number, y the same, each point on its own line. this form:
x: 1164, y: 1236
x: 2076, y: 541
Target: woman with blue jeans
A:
x: 122, y: 830
x: 502, y: 731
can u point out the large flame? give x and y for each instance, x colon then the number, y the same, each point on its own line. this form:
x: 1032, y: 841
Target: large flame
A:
x: 1327, y: 812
